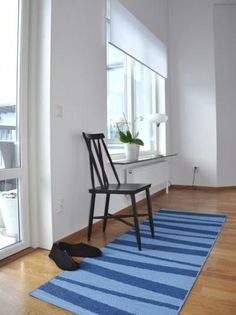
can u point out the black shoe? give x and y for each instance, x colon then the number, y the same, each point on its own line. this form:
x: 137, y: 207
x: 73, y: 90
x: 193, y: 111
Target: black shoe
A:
x: 62, y: 259
x: 81, y: 249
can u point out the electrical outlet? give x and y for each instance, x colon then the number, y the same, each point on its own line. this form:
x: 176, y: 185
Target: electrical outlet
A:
x: 59, y: 111
x: 196, y: 169
x: 60, y: 205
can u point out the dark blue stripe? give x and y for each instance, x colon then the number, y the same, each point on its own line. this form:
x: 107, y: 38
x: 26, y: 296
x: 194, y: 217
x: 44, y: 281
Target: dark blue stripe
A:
x: 169, y: 249
x: 179, y: 228
x: 158, y: 219
x: 193, y: 213
x: 173, y: 240
x: 148, y: 266
x: 153, y: 257
x: 82, y: 301
x: 157, y: 287
x: 116, y: 293
x: 166, y: 215
x: 180, y: 234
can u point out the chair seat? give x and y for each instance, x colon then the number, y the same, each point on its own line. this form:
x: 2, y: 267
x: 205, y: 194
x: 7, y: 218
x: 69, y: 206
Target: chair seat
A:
x: 120, y: 189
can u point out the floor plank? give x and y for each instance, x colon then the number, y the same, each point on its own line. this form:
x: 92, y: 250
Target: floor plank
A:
x: 214, y: 291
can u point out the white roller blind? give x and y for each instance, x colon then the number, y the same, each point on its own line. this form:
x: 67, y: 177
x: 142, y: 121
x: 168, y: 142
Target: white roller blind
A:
x: 130, y: 35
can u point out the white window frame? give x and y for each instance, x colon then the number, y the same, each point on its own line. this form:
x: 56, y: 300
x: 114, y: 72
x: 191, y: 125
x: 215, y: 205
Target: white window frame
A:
x: 157, y: 106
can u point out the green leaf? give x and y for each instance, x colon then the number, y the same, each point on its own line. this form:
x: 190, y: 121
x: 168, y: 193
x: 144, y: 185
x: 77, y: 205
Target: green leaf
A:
x: 129, y: 136
x: 122, y: 137
x: 138, y: 141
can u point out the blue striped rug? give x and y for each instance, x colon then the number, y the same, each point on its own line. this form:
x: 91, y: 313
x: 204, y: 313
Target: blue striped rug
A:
x: 156, y: 280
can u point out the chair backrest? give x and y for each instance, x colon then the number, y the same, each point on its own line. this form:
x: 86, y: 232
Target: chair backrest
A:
x: 96, y: 146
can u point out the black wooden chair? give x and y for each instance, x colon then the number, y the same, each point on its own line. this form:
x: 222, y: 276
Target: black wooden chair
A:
x: 97, y: 149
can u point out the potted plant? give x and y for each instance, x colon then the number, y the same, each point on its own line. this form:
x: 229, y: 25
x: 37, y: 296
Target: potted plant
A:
x: 131, y: 141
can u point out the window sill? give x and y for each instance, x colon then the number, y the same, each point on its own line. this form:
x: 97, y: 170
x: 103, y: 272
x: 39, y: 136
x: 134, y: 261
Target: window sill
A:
x: 144, y: 158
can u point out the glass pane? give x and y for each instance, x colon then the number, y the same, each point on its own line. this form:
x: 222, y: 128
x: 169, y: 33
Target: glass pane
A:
x: 117, y: 100
x: 143, y: 104
x: 161, y: 103
x: 9, y: 149
x: 9, y: 213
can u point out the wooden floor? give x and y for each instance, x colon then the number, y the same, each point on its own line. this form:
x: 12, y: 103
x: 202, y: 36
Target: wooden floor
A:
x: 213, y: 293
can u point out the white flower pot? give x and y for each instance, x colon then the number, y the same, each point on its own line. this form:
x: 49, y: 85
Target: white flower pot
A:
x: 131, y: 151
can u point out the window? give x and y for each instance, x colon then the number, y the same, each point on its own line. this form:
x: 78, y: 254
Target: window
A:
x: 8, y: 80
x: 117, y: 97
x: 134, y: 90
x: 14, y: 218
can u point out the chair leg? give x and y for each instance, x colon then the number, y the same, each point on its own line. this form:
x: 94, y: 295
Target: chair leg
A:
x: 149, y: 208
x: 136, y: 223
x: 106, y: 212
x: 90, y: 223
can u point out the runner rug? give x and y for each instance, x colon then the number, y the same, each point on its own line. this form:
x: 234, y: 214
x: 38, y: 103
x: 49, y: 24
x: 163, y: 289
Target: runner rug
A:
x: 124, y: 280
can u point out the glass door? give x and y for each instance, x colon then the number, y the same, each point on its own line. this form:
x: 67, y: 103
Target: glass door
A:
x: 14, y: 225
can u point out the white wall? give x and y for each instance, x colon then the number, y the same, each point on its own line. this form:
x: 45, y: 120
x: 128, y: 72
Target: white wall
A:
x: 193, y: 91
x: 192, y: 86
x: 78, y: 90
x: 225, y: 61
x: 78, y: 86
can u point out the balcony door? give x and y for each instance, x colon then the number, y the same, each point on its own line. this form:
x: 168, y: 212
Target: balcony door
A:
x: 14, y: 218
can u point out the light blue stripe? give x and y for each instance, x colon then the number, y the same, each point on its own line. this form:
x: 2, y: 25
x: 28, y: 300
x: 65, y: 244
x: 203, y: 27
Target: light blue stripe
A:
x: 196, y: 216
x: 180, y: 257
x: 110, y: 251
x: 205, y: 241
x: 157, y: 242
x: 170, y: 239
x: 147, y: 265
x: 181, y: 228
x: 191, y: 213
x: 165, y: 229
x: 165, y: 248
x: 195, y: 228
x: 188, y: 227
x: 178, y: 233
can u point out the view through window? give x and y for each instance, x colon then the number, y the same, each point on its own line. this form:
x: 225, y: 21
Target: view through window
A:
x: 9, y: 132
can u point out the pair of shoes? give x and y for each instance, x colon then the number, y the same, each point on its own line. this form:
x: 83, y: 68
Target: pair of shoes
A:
x: 62, y: 259
x: 81, y: 249
x: 61, y: 254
